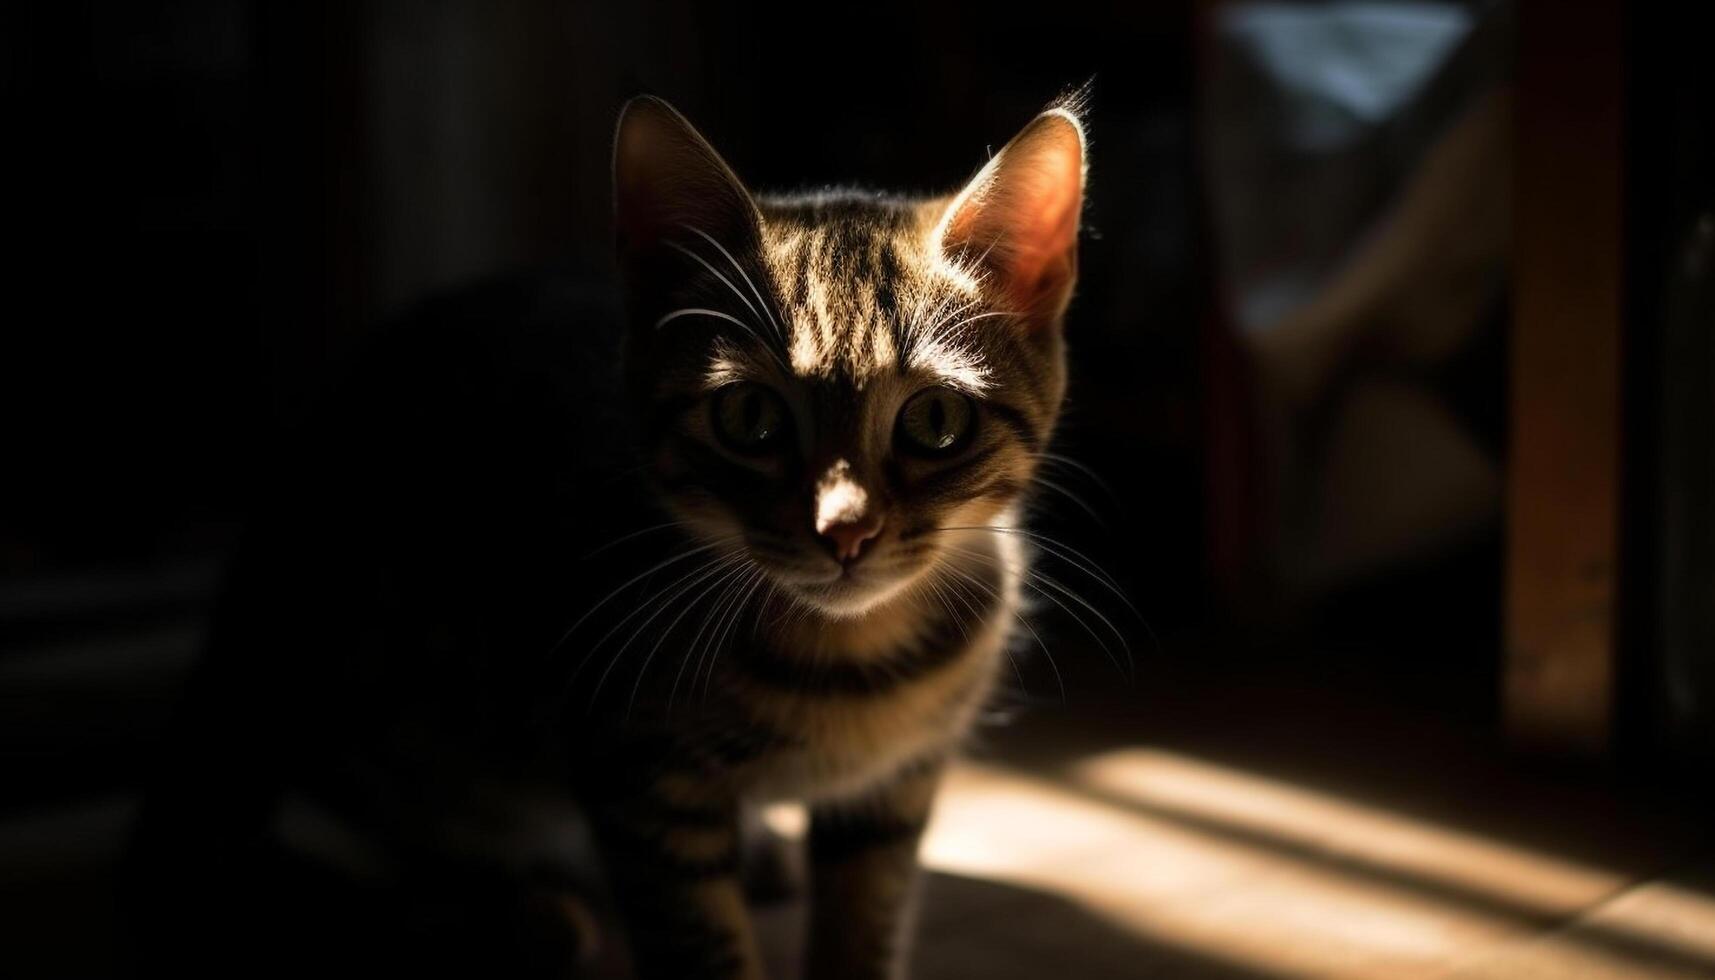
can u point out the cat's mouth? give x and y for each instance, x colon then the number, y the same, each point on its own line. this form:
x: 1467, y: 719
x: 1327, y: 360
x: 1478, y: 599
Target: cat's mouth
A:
x: 845, y: 590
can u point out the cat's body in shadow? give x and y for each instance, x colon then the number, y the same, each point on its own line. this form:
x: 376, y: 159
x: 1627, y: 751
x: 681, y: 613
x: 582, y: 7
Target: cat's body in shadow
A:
x: 554, y: 588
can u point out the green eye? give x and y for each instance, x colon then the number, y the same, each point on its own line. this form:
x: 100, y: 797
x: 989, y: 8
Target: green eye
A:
x: 936, y: 422
x: 748, y: 418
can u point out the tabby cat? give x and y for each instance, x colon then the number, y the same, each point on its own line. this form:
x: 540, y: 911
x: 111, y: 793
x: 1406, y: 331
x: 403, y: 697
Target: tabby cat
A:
x: 791, y: 532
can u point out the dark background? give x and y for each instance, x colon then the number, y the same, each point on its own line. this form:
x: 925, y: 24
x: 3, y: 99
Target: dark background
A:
x: 222, y: 199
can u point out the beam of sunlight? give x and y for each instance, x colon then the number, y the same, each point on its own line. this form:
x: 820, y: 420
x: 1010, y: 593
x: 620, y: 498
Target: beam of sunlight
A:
x: 1669, y: 912
x: 1343, y: 830
x: 1284, y: 881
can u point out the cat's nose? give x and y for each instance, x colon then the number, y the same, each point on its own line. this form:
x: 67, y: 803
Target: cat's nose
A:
x: 846, y: 541
x: 846, y: 518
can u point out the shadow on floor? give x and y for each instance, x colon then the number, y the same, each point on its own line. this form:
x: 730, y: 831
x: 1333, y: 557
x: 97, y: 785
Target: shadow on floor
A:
x: 973, y: 927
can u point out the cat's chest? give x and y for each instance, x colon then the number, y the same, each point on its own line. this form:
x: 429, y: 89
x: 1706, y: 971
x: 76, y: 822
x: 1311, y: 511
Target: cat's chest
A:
x: 838, y: 742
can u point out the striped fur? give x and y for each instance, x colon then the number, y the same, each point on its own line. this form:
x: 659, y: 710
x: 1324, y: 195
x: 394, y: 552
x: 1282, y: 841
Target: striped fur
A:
x: 846, y: 685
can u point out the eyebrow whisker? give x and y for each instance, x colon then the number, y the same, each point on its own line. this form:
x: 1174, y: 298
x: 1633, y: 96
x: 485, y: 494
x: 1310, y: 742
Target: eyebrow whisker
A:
x: 675, y: 246
x: 767, y: 308
x: 728, y: 317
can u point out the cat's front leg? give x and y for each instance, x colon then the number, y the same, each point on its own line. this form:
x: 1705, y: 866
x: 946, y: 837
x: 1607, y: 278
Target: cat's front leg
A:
x: 674, y: 868
x: 864, y: 855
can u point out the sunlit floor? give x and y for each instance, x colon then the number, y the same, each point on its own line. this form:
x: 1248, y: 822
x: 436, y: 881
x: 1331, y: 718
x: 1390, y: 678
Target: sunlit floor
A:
x: 1176, y: 867
x: 1154, y: 862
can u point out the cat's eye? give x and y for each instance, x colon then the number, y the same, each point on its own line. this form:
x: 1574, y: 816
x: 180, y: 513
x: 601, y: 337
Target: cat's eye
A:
x: 749, y: 418
x: 936, y: 422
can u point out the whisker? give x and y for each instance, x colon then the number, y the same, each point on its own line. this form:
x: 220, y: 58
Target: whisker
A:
x: 1064, y: 552
x: 697, y: 639
x: 660, y: 607
x: 933, y: 589
x: 732, y: 621
x: 675, y: 246
x: 942, y: 312
x: 1069, y: 495
x: 932, y: 333
x: 952, y: 588
x: 762, y: 608
x: 1059, y: 682
x: 728, y: 317
x: 717, y: 543
x: 767, y: 308
x: 1083, y: 470
x: 715, y: 563
x: 943, y: 331
x: 1030, y: 577
x: 699, y: 572
x: 668, y: 631
x: 1131, y: 664
x: 635, y: 534
x: 925, y: 327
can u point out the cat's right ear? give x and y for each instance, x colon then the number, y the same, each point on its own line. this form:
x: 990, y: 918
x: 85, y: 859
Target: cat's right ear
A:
x: 670, y: 184
x: 1016, y: 222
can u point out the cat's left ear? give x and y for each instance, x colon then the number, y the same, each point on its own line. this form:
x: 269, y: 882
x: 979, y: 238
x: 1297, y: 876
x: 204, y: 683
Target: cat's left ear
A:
x: 669, y: 183
x: 1017, y: 220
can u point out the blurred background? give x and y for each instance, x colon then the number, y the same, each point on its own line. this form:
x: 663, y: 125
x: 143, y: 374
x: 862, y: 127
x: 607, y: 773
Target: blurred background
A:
x: 1391, y: 397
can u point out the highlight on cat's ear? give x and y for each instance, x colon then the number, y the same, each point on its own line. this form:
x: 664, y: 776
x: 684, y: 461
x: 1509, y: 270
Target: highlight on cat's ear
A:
x: 668, y: 180
x: 1016, y: 221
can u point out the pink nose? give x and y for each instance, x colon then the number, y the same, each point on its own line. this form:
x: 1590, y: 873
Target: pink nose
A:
x: 847, y: 539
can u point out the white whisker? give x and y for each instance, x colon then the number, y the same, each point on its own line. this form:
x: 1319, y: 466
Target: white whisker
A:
x: 638, y: 578
x: 737, y: 613
x: 616, y: 542
x: 767, y: 308
x: 1069, y: 495
x: 660, y: 607
x: 728, y: 317
x: 1059, y: 682
x: 709, y: 618
x: 1034, y: 580
x: 668, y: 631
x: 1064, y: 552
x: 718, y: 275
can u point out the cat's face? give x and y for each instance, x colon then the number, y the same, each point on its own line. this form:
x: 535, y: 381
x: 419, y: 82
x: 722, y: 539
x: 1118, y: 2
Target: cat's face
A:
x: 835, y: 385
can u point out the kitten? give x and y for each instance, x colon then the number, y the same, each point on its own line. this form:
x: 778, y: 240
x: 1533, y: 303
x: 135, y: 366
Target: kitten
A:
x: 793, y: 535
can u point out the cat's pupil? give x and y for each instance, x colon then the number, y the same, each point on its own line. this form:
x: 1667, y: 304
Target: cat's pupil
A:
x: 752, y: 416
x: 938, y: 422
x: 747, y: 417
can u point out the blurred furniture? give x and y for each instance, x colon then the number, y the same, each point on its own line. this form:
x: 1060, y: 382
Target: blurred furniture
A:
x: 1357, y: 169
x: 1531, y: 220
x: 1610, y: 629
x: 1563, y: 506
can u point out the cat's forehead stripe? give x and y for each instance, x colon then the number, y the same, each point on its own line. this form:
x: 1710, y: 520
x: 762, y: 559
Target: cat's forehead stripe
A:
x: 854, y: 284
